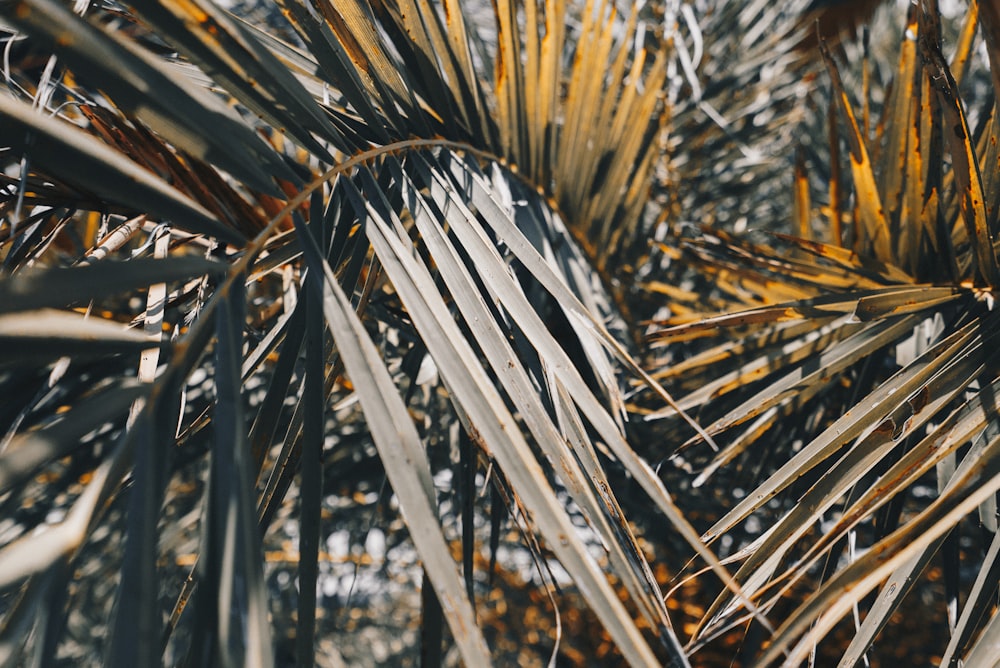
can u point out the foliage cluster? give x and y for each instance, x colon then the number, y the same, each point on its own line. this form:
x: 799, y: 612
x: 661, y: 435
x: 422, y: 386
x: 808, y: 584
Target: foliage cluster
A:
x: 497, y: 258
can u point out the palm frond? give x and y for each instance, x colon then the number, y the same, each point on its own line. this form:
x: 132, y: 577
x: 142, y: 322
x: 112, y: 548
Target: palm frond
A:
x: 874, y: 376
x: 345, y: 188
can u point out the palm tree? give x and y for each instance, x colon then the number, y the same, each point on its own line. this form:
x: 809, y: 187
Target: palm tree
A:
x: 324, y: 211
x: 247, y: 267
x: 848, y: 377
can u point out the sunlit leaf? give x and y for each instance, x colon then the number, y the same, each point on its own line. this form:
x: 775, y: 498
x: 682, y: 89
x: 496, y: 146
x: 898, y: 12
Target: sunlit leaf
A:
x: 193, y: 121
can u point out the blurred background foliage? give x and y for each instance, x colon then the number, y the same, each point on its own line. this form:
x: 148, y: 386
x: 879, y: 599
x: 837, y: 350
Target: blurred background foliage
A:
x: 395, y: 331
